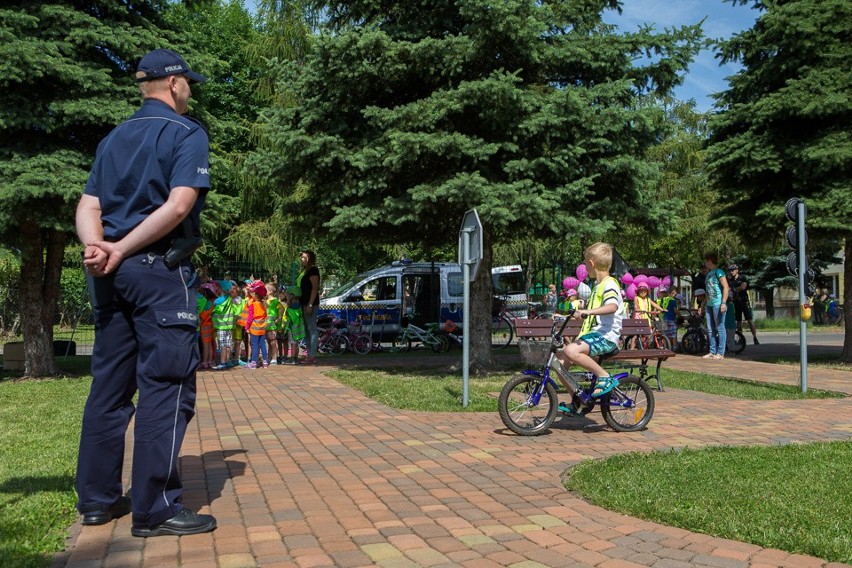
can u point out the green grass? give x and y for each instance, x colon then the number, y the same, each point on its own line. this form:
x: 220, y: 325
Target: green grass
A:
x: 792, y: 324
x: 821, y: 361
x: 795, y: 497
x: 409, y: 389
x: 38, y: 443
x: 737, y: 388
x: 416, y: 389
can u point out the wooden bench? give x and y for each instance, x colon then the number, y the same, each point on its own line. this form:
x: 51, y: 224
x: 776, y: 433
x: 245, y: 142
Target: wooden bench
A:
x: 543, y: 329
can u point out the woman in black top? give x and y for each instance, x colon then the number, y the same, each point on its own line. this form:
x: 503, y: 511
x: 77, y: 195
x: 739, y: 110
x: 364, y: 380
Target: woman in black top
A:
x: 309, y: 284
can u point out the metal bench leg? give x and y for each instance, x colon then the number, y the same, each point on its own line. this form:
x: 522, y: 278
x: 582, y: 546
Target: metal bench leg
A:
x: 659, y: 379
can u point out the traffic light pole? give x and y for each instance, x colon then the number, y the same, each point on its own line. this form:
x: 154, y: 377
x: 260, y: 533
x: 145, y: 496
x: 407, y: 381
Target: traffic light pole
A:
x: 803, y: 324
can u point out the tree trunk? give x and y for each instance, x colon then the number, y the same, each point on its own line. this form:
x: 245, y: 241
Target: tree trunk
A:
x: 846, y: 354
x: 39, y: 284
x: 769, y: 295
x: 481, y: 294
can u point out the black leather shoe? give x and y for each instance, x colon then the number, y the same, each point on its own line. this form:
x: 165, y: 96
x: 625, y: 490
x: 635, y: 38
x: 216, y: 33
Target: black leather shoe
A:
x: 103, y: 516
x: 184, y: 523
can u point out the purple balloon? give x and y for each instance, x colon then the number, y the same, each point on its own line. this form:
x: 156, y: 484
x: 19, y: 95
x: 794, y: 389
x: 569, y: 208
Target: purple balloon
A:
x: 631, y: 292
x: 627, y: 279
x: 639, y: 279
x: 582, y: 272
x: 667, y: 281
x: 653, y: 282
x: 570, y: 282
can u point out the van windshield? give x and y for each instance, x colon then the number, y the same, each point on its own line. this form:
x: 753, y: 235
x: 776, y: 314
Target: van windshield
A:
x: 343, y: 288
x: 510, y: 283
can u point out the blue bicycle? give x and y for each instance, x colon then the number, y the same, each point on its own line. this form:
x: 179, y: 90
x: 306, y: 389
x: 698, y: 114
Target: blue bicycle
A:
x: 528, y: 403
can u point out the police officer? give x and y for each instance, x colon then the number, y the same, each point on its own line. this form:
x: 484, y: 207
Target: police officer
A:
x: 138, y: 220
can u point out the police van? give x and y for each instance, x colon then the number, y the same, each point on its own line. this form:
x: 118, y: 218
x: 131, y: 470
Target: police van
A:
x: 420, y: 291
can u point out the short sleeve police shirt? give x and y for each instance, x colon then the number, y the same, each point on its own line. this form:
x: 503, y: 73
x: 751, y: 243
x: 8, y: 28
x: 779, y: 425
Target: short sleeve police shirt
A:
x: 142, y: 160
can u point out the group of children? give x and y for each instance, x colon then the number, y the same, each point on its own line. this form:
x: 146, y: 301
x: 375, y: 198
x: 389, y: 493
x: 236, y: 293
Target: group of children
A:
x: 251, y: 324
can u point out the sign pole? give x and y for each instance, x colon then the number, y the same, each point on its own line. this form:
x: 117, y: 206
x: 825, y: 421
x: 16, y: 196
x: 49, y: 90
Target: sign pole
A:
x: 803, y: 325
x: 466, y: 314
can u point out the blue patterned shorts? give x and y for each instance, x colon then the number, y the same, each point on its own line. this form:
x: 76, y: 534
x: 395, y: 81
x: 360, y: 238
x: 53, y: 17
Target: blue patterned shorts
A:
x: 598, y: 344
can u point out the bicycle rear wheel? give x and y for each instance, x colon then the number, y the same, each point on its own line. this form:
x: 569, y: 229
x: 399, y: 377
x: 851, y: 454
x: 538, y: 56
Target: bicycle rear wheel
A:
x: 519, y: 414
x: 693, y: 342
x: 400, y: 343
x: 502, y: 333
x: 736, y: 342
x: 441, y: 343
x: 630, y: 406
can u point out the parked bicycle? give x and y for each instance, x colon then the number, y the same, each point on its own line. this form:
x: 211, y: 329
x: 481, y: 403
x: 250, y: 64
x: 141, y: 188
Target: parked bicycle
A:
x: 331, y: 340
x: 696, y: 340
x: 431, y: 336
x: 657, y: 340
x: 359, y: 340
x: 528, y: 403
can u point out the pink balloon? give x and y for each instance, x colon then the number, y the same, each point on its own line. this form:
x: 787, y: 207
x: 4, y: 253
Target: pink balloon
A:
x: 627, y: 279
x: 582, y: 272
x: 653, y: 281
x: 639, y: 279
x: 667, y: 281
x: 631, y: 291
x: 570, y: 282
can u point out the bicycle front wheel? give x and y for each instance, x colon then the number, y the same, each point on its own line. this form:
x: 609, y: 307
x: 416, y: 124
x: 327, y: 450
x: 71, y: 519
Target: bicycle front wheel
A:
x: 502, y: 333
x: 362, y: 343
x: 628, y: 407
x: 517, y: 411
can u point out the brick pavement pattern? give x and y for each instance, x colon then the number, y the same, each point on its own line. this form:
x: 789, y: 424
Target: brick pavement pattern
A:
x: 304, y: 472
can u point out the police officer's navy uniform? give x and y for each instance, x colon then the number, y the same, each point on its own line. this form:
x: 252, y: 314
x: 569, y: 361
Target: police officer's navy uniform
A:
x: 145, y: 318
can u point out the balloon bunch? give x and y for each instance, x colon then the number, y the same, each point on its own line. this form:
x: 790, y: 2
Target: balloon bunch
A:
x: 632, y: 283
x: 578, y: 283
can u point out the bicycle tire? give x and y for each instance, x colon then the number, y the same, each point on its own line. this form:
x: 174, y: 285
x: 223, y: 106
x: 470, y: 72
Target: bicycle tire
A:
x: 516, y: 413
x: 339, y: 345
x: 637, y: 414
x: 502, y: 333
x: 693, y: 342
x: 661, y: 342
x: 441, y: 345
x: 361, y: 343
x: 400, y: 344
x: 736, y: 343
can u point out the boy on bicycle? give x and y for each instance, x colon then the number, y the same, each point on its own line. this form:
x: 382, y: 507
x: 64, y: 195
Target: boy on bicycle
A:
x: 601, y: 330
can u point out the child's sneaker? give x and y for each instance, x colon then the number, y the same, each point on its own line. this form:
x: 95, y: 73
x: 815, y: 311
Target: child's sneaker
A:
x: 220, y: 367
x: 265, y: 364
x: 273, y: 362
x: 251, y: 365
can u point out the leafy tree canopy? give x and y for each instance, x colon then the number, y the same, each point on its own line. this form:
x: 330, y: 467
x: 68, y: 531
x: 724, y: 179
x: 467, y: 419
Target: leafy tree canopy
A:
x: 405, y: 118
x: 785, y: 124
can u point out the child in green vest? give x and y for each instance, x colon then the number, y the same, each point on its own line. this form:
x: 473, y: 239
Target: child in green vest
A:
x: 224, y: 317
x: 273, y: 322
x: 602, y: 326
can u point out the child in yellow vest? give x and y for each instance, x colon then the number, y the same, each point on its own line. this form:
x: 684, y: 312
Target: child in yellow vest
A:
x: 600, y: 333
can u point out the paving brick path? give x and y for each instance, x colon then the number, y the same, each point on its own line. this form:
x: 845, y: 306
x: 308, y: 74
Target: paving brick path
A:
x: 304, y: 472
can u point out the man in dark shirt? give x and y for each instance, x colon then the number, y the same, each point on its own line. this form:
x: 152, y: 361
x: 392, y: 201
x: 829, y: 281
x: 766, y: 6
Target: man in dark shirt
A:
x: 139, y: 210
x: 742, y: 306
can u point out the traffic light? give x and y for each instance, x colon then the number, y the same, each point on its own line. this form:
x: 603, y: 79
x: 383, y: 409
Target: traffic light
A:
x: 797, y: 239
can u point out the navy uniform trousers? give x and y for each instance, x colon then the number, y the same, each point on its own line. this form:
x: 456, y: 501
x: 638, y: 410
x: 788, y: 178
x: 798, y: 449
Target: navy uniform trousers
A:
x: 145, y: 340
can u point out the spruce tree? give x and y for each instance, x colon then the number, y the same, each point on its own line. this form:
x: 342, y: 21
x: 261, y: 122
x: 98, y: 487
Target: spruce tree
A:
x: 785, y: 125
x: 65, y: 80
x: 408, y: 114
